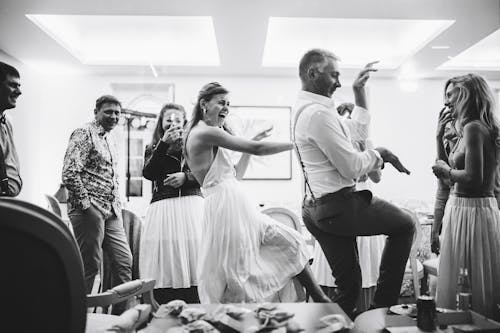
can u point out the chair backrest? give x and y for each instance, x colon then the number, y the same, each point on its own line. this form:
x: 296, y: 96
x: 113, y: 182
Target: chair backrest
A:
x: 42, y: 280
x: 123, y: 292
x: 53, y: 205
x: 288, y: 218
x: 417, y: 240
x: 285, y: 216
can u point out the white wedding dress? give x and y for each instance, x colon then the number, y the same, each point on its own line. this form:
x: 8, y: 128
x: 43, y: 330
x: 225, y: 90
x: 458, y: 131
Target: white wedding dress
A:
x: 245, y: 256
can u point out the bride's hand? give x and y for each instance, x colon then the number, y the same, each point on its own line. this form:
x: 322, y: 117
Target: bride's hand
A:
x: 263, y: 134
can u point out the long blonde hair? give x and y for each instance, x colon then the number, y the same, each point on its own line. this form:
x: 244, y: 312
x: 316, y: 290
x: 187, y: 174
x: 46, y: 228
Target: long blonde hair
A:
x: 475, y: 101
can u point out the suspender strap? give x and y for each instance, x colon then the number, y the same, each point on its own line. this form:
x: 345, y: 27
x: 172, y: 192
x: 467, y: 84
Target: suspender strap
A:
x: 306, y: 179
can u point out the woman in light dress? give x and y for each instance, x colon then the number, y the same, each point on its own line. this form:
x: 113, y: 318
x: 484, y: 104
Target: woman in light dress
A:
x: 245, y: 255
x: 471, y: 222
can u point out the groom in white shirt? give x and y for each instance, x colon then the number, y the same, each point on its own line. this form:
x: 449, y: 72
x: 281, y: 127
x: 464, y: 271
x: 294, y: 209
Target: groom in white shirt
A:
x: 335, y: 213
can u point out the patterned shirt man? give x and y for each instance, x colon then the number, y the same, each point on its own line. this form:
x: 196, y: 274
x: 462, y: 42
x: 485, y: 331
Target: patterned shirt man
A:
x: 89, y: 170
x: 89, y: 173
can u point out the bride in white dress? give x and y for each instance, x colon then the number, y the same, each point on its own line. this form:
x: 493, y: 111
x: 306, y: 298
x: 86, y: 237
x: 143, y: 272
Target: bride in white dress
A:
x: 245, y: 255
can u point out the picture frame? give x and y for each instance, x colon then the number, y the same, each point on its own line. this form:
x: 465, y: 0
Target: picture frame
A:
x: 247, y: 121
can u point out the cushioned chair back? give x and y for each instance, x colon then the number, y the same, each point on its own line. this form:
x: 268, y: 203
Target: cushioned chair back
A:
x: 42, y: 271
x: 53, y: 205
x: 288, y: 218
x: 132, y: 225
x: 285, y: 216
x: 416, y: 271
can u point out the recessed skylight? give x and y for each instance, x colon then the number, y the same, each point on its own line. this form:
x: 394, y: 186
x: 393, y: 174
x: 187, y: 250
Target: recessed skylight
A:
x: 355, y: 41
x: 134, y: 40
x: 484, y: 55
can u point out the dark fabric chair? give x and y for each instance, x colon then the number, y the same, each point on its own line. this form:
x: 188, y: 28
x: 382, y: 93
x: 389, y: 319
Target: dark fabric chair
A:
x: 42, y: 271
x: 44, y: 277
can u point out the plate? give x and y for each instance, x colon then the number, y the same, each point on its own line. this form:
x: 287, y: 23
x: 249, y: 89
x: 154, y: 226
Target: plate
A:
x: 404, y: 309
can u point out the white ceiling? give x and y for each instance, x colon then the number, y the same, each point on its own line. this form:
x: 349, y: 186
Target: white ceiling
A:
x: 241, y: 27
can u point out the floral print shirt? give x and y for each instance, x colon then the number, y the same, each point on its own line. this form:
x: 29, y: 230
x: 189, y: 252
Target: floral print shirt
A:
x: 89, y: 171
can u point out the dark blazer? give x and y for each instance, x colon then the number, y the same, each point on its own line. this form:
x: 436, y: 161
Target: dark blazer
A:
x: 159, y: 162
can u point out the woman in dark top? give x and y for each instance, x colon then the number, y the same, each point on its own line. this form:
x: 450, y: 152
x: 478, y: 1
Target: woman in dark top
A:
x: 172, y: 230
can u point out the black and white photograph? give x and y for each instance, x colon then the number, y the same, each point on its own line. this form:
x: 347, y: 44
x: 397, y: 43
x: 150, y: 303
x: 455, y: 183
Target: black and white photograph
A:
x: 250, y: 166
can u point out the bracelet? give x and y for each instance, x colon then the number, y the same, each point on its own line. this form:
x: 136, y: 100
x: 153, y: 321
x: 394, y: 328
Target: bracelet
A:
x: 449, y: 173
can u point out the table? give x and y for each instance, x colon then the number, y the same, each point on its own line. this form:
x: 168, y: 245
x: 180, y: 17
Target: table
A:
x: 306, y: 314
x: 372, y: 321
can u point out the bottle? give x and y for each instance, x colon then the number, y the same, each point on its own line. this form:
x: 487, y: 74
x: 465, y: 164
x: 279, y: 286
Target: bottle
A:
x: 464, y: 292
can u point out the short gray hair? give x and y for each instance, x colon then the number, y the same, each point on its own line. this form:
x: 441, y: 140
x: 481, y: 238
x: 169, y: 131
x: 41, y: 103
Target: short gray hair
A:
x: 314, y: 58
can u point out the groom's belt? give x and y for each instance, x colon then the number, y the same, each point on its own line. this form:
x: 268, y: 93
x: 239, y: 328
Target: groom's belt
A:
x: 328, y: 197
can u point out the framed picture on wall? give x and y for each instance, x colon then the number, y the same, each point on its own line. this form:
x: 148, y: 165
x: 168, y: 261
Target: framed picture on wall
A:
x: 247, y: 121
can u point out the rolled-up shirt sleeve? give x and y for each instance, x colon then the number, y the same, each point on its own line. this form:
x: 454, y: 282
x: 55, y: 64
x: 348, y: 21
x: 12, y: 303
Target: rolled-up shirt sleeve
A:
x: 359, y: 124
x: 333, y: 140
x: 77, y: 153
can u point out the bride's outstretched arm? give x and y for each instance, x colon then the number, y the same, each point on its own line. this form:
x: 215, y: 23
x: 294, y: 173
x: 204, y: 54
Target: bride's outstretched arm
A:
x: 218, y: 137
x: 242, y: 165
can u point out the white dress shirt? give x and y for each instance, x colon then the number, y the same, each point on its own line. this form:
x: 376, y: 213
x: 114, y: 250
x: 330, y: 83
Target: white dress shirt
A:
x: 324, y: 140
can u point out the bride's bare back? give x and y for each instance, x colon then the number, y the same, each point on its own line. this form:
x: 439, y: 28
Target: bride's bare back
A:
x: 199, y: 153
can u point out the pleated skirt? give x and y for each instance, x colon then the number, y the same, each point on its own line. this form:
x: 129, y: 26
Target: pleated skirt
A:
x: 246, y: 256
x: 471, y: 239
x: 170, y: 242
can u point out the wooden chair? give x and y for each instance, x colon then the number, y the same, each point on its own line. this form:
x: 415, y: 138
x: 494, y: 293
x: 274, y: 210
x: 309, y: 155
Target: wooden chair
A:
x: 123, y: 292
x: 59, y: 209
x: 45, y: 272
x: 431, y: 266
x: 414, y: 269
x: 53, y: 205
x: 130, y: 319
x: 288, y: 218
x: 43, y: 281
x: 285, y: 216
x: 430, y: 269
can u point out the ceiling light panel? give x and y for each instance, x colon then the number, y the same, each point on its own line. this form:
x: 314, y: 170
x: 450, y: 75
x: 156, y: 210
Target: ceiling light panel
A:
x: 134, y: 40
x: 355, y: 41
x: 484, y: 55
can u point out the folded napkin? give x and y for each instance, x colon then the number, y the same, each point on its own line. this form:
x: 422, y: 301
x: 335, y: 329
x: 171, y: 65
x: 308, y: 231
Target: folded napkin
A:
x: 131, y: 319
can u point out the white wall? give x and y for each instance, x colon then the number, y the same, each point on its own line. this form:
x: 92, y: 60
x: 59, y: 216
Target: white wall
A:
x: 51, y: 107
